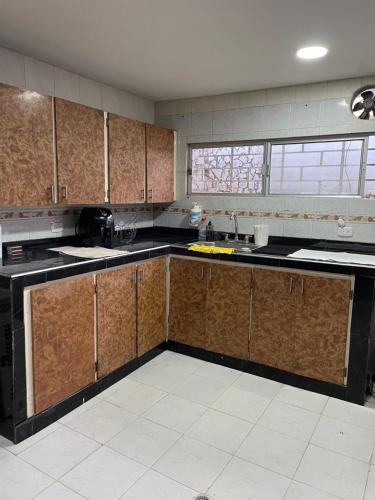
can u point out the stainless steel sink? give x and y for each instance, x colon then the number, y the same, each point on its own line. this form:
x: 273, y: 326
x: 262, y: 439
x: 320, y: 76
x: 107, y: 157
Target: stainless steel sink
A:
x: 239, y: 246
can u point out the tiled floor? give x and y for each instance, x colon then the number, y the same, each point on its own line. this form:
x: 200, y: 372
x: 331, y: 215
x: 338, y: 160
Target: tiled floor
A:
x: 179, y: 426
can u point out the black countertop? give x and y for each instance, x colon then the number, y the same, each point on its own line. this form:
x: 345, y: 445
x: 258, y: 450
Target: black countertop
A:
x: 37, y: 257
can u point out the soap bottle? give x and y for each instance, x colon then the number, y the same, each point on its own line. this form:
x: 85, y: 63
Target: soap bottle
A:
x: 210, y: 232
x: 195, y: 215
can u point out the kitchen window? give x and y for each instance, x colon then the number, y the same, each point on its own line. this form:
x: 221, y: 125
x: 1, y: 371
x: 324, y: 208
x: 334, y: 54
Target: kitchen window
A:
x: 316, y: 168
x: 342, y: 166
x: 227, y: 169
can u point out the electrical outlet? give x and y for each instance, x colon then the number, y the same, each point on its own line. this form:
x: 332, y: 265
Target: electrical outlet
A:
x: 345, y: 232
x: 56, y: 227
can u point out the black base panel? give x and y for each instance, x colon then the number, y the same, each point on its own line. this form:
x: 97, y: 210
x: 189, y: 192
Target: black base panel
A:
x: 38, y: 422
x: 326, y: 388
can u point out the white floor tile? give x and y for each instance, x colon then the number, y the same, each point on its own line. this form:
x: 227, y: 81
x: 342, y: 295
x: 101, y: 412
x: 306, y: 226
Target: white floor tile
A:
x: 58, y: 491
x: 242, y: 404
x: 298, y: 491
x: 242, y: 480
x: 348, y: 439
x: 102, y: 421
x: 144, y: 441
x: 175, y: 413
x: 220, y: 430
x: 274, y: 451
x: 181, y: 363
x: 370, y: 487
x: 258, y: 385
x: 18, y: 480
x: 80, y: 409
x: 154, y: 486
x: 105, y: 474
x: 162, y: 377
x: 20, y: 447
x: 303, y: 399
x: 218, y: 373
x: 192, y: 463
x: 290, y: 420
x: 200, y: 389
x: 351, y: 413
x: 135, y: 397
x: 333, y: 473
x: 59, y: 452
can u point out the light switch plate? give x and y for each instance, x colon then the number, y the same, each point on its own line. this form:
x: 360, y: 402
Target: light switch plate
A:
x: 345, y: 232
x: 56, y: 227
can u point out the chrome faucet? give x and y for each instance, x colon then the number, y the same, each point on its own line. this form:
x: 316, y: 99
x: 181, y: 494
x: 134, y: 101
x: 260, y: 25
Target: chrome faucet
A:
x: 234, y: 218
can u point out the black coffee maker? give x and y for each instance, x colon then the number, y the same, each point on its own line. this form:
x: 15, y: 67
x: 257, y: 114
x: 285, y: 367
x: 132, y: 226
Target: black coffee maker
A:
x: 96, y: 227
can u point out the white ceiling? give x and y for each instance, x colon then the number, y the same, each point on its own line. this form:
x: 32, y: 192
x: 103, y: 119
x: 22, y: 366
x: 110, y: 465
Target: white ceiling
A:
x: 166, y: 49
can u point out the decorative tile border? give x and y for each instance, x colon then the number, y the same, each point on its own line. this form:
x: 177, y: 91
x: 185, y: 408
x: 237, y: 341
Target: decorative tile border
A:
x: 274, y: 215
x: 11, y: 214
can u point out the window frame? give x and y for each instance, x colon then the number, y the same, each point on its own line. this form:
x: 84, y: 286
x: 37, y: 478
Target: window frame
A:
x: 266, y: 170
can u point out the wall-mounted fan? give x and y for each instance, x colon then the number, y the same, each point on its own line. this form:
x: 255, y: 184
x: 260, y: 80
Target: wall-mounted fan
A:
x: 363, y: 103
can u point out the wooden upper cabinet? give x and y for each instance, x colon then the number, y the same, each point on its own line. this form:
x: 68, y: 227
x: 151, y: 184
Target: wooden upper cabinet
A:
x: 62, y: 323
x: 126, y: 160
x: 152, y: 312
x: 187, y: 302
x: 26, y: 147
x: 228, y: 310
x: 116, y: 318
x: 273, y: 311
x: 321, y: 327
x: 160, y: 164
x: 80, y: 153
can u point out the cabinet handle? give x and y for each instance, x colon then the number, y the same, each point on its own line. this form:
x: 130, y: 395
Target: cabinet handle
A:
x: 141, y: 275
x: 302, y: 286
x: 51, y: 190
x: 133, y: 279
x: 150, y: 194
x: 64, y: 192
x: 142, y: 194
x: 210, y: 273
x: 291, y: 281
x: 202, y: 271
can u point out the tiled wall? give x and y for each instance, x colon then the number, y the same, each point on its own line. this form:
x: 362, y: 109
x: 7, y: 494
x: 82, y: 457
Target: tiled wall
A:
x: 297, y: 111
x: 25, y: 72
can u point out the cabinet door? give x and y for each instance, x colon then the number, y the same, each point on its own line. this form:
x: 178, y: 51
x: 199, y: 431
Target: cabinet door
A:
x: 187, y: 303
x: 321, y: 327
x: 116, y: 318
x: 152, y: 321
x: 80, y: 153
x: 26, y: 147
x: 62, y: 340
x: 127, y: 160
x: 272, y: 316
x: 228, y: 310
x: 160, y: 164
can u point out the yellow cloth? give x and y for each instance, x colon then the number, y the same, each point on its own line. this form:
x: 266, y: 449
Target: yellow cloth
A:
x: 210, y: 249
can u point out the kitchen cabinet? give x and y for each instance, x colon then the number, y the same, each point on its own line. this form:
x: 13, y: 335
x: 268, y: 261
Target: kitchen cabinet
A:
x: 80, y: 153
x: 26, y: 147
x: 63, y: 354
x: 151, y: 305
x: 126, y: 159
x: 272, y: 314
x: 228, y: 310
x: 116, y: 318
x: 321, y: 327
x: 187, y: 302
x: 160, y: 164
x: 299, y: 323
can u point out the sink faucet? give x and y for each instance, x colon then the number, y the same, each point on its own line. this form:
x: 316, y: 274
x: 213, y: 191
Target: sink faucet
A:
x: 234, y: 218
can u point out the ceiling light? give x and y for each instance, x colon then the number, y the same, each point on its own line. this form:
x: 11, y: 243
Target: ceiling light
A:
x: 311, y: 52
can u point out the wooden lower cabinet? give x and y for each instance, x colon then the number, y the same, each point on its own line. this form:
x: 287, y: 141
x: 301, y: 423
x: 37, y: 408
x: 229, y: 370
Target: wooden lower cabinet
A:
x: 321, y: 327
x: 152, y: 305
x: 63, y: 354
x: 187, y: 302
x: 272, y: 313
x: 228, y: 310
x: 116, y: 318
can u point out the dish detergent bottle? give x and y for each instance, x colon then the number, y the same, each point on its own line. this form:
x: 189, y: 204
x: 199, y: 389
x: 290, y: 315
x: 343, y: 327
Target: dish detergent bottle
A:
x: 195, y: 215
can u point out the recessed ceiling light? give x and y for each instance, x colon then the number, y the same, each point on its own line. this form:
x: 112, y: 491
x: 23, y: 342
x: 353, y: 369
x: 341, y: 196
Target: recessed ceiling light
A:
x: 311, y: 52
